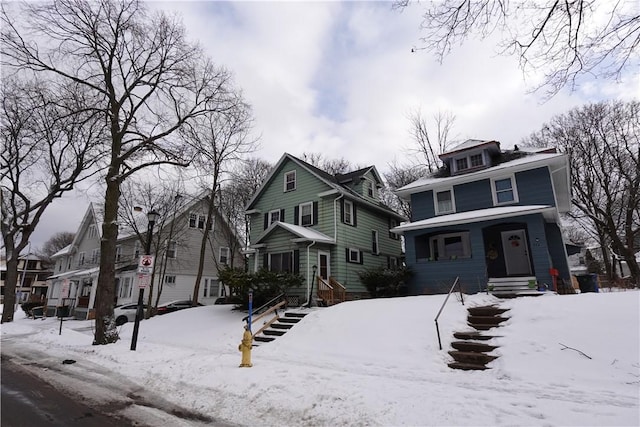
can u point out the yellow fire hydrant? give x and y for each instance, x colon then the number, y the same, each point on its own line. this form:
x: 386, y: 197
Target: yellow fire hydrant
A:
x: 245, y: 348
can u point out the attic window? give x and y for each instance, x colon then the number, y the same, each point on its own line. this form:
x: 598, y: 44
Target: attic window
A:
x: 476, y: 160
x: 462, y: 164
x: 368, y: 188
x: 290, y: 181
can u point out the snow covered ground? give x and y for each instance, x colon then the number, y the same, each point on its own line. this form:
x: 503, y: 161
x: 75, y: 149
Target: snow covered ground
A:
x: 377, y: 362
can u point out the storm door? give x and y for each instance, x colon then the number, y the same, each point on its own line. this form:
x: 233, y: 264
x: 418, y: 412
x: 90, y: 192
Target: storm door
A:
x: 516, y: 253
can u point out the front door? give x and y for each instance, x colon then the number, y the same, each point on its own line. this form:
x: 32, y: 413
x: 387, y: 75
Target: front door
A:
x: 324, y: 261
x: 516, y: 253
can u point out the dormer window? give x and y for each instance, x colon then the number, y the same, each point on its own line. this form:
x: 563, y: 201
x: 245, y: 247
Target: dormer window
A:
x: 368, y: 188
x: 468, y: 162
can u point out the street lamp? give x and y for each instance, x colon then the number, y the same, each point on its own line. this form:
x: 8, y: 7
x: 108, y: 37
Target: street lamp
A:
x: 152, y: 217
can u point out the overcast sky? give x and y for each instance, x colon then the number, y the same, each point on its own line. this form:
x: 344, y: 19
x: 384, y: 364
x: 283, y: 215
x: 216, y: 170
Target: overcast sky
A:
x: 340, y: 78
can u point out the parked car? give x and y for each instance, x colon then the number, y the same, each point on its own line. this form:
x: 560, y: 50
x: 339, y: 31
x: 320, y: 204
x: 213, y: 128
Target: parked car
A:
x: 126, y: 313
x: 169, y: 307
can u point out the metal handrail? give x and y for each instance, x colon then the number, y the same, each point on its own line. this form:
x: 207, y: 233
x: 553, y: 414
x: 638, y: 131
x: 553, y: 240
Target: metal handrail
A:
x: 263, y: 306
x: 444, y: 303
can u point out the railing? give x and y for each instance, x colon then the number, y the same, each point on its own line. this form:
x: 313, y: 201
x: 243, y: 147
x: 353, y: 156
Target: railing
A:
x: 332, y: 291
x: 265, y: 306
x: 273, y: 319
x: 455, y: 282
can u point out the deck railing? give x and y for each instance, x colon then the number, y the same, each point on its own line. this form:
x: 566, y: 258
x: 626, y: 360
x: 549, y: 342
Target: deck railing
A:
x: 455, y: 282
x: 331, y: 292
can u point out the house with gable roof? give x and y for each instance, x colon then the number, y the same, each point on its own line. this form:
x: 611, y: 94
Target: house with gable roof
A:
x: 177, y: 237
x: 489, y: 217
x: 303, y: 219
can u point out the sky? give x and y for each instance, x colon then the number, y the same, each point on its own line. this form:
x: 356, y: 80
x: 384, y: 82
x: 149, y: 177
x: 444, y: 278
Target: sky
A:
x: 563, y: 360
x: 340, y: 78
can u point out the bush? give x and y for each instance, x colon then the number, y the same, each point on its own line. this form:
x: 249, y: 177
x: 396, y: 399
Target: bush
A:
x: 264, y: 284
x: 27, y: 306
x: 385, y: 282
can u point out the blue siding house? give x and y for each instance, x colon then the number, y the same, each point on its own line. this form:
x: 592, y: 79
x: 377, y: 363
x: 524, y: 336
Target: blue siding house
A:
x: 489, y: 217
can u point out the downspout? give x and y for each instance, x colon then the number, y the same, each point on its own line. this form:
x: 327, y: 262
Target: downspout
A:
x: 335, y: 219
x: 308, y: 275
x: 255, y: 261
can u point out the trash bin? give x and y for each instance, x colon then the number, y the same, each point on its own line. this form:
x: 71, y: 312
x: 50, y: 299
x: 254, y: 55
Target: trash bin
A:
x: 588, y: 282
x: 62, y: 311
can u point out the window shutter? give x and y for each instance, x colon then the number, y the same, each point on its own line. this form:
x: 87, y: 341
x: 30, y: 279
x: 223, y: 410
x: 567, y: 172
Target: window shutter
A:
x: 342, y: 210
x: 315, y: 213
x: 265, y: 261
x: 388, y: 261
x: 266, y: 221
x: 347, y: 254
x: 296, y: 261
x: 361, y: 258
x: 282, y: 215
x: 296, y: 215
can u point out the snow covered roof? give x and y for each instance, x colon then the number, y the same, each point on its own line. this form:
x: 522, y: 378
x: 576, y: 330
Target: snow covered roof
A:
x: 75, y: 273
x: 477, y: 216
x: 469, y: 144
x: 527, y: 162
x: 305, y: 234
x: 64, y: 251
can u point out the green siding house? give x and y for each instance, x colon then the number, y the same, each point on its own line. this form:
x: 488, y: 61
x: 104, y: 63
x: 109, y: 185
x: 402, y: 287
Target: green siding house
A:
x: 304, y: 220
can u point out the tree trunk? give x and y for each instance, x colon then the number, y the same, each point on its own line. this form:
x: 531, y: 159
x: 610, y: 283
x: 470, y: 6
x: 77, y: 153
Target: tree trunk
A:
x: 10, y: 284
x: 203, y: 245
x: 106, y: 332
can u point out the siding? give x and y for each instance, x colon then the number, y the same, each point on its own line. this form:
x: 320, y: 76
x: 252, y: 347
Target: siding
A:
x: 473, y: 196
x: 535, y: 187
x: 422, y: 206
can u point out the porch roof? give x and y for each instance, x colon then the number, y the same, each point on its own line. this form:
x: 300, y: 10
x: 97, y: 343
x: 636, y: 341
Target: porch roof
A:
x: 75, y: 273
x: 304, y: 234
x: 549, y: 213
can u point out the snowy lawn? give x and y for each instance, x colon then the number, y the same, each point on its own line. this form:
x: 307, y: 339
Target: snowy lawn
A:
x: 377, y: 362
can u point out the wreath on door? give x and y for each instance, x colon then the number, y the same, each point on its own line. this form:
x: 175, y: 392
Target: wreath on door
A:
x: 514, y: 240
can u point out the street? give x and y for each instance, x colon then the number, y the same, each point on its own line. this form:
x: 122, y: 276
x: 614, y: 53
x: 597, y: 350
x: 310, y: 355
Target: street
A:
x: 29, y: 401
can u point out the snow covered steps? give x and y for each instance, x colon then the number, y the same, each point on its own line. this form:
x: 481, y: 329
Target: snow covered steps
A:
x: 470, y: 351
x: 280, y: 326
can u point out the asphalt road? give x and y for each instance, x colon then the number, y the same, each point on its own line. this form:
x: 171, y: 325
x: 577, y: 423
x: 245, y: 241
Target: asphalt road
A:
x: 28, y: 401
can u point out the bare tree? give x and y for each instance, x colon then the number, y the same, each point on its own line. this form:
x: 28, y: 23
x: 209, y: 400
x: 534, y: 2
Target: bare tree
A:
x: 429, y: 143
x: 220, y: 140
x: 55, y: 243
x: 47, y: 149
x: 330, y: 166
x: 603, y: 143
x: 147, y: 81
x: 563, y: 39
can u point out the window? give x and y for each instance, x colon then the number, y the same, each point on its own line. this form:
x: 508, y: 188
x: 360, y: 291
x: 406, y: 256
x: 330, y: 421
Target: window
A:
x: 118, y: 253
x: 209, y: 287
x: 224, y: 255
x: 368, y: 188
x: 125, y: 288
x: 504, y: 191
x: 197, y: 220
x: 354, y: 256
x: 274, y: 216
x: 374, y: 242
x: 92, y: 231
x: 170, y: 280
x: 290, y: 181
x: 392, y: 224
x: 172, y: 249
x: 476, y: 160
x: 136, y: 249
x: 444, y: 202
x: 348, y: 212
x: 81, y: 258
x: 450, y: 246
x: 69, y: 262
x: 95, y: 256
x: 306, y: 214
x: 461, y: 164
x: 281, y: 262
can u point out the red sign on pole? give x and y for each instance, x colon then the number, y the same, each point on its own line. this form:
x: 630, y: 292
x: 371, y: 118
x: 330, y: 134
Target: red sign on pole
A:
x: 145, y: 266
x: 144, y: 281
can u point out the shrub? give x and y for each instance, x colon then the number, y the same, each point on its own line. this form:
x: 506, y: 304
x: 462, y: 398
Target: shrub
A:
x: 385, y: 282
x: 264, y: 284
x: 27, y: 306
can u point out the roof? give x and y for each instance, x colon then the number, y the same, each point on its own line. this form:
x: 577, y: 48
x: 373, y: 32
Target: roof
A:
x: 75, y: 273
x: 477, y: 216
x: 64, y: 251
x: 330, y: 180
x: 469, y: 144
x: 558, y: 161
x: 304, y: 234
